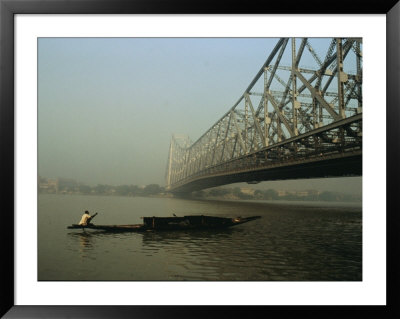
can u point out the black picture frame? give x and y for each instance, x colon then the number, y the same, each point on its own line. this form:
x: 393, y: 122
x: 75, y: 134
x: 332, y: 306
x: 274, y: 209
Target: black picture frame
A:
x: 8, y: 8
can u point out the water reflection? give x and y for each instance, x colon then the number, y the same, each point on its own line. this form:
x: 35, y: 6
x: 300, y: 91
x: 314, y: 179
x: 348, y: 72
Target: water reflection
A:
x: 85, y: 242
x: 172, y: 237
x: 202, y: 255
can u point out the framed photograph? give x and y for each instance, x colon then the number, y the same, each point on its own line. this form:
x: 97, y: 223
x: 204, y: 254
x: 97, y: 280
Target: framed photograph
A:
x: 95, y: 93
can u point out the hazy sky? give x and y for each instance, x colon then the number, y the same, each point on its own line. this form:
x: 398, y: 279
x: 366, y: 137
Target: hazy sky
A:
x: 107, y: 107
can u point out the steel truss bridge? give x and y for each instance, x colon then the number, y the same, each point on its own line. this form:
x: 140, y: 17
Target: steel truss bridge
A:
x: 291, y: 122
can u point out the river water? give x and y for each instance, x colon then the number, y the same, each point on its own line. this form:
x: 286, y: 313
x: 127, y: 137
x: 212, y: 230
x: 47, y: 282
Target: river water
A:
x: 293, y: 241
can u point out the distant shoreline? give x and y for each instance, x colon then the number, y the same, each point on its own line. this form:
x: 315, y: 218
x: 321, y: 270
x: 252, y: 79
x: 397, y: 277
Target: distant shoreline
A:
x: 73, y: 187
x: 228, y: 198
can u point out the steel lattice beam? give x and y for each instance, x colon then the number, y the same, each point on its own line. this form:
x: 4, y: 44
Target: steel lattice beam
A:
x: 298, y: 116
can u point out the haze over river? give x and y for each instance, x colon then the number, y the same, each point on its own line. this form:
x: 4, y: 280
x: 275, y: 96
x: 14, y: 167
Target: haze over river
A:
x: 293, y: 241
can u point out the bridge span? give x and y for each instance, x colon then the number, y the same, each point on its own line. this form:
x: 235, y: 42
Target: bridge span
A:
x: 292, y: 122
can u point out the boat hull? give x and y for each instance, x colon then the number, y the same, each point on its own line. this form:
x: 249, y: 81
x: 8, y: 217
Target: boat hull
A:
x: 172, y: 223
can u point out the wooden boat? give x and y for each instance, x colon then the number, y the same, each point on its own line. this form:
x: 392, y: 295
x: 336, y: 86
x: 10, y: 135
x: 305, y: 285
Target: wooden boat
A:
x: 172, y: 223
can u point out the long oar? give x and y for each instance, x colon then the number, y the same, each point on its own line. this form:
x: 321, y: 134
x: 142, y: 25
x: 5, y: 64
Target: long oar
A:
x: 91, y: 218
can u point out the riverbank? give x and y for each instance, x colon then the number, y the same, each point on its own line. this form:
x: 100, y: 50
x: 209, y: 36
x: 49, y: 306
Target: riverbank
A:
x: 259, y: 196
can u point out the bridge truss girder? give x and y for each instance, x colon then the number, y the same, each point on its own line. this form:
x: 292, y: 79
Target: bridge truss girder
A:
x: 296, y: 117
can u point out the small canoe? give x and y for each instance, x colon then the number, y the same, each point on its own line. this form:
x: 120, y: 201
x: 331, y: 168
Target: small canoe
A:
x: 172, y: 223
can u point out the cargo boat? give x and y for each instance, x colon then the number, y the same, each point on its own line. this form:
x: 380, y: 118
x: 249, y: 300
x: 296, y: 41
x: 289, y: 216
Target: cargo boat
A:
x: 172, y: 223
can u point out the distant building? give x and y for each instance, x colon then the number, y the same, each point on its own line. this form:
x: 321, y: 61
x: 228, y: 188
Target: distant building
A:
x: 247, y: 191
x: 313, y: 192
x: 48, y: 185
x: 302, y: 193
x: 281, y: 193
x: 67, y: 184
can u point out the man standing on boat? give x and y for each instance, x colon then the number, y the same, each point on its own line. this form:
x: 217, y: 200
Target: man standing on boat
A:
x: 86, y: 218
